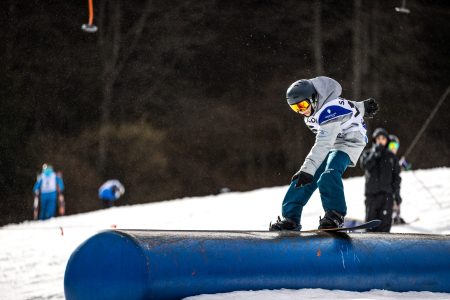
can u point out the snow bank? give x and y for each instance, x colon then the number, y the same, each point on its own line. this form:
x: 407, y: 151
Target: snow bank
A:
x: 34, y: 254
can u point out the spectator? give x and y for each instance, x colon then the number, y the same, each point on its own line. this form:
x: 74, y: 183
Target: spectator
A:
x: 382, y: 172
x: 110, y: 191
x: 394, y: 144
x: 48, y: 190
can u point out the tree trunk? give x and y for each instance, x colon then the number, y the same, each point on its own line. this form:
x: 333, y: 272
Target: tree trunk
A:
x: 317, y: 37
x: 105, y: 119
x: 375, y: 49
x: 113, y: 60
x: 357, y: 50
x: 10, y: 32
x: 109, y: 43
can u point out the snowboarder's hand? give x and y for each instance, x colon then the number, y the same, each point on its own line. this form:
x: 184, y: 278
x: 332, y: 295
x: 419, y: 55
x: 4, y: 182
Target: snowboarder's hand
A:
x: 370, y: 108
x: 303, y: 178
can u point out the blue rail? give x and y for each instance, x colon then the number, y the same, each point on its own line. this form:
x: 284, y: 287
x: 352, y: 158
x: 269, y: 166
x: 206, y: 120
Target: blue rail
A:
x: 139, y: 264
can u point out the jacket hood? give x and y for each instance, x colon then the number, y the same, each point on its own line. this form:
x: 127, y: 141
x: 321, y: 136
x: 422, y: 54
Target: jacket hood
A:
x: 380, y: 131
x: 327, y: 89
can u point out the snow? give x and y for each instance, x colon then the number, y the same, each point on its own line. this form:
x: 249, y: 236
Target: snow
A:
x: 34, y: 254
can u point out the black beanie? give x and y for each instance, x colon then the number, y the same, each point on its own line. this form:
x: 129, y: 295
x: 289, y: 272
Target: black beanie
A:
x: 379, y: 131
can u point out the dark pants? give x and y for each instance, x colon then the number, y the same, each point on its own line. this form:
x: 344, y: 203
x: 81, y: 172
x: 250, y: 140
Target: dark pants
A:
x: 107, y: 203
x: 379, y: 206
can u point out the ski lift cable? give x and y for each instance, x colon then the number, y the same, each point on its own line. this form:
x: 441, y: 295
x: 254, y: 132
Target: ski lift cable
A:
x: 427, y: 122
x: 418, y: 136
x: 427, y: 189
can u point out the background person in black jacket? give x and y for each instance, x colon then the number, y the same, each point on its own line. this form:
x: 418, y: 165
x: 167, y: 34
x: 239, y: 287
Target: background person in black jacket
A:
x: 382, y: 172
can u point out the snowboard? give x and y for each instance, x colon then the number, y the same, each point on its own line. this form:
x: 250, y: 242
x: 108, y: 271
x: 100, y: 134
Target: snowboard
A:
x: 366, y: 225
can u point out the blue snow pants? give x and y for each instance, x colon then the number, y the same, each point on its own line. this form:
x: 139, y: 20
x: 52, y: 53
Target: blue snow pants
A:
x: 328, y: 179
x: 47, y: 205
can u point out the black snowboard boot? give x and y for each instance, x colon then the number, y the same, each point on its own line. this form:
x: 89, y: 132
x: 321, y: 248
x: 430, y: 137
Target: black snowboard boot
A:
x: 285, y: 224
x: 332, y: 219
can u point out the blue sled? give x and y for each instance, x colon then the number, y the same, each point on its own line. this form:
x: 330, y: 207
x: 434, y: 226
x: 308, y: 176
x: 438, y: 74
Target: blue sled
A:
x: 139, y: 264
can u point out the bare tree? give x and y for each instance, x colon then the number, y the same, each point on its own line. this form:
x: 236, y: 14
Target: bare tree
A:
x: 9, y: 33
x: 357, y: 49
x: 115, y: 45
x: 375, y: 50
x: 317, y: 37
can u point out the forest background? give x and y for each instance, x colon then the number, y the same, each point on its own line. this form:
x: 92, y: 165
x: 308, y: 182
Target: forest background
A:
x: 185, y: 98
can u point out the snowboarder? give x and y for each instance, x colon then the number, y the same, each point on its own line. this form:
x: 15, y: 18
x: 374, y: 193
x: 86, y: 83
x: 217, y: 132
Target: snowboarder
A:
x: 382, y: 173
x: 48, y: 194
x: 110, y: 191
x: 340, y: 138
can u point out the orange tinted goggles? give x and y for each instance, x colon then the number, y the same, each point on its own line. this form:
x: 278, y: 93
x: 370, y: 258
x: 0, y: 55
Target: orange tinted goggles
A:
x: 301, y: 106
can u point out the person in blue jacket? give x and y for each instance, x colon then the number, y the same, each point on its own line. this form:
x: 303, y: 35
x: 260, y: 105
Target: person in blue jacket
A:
x: 110, y: 191
x: 48, y: 191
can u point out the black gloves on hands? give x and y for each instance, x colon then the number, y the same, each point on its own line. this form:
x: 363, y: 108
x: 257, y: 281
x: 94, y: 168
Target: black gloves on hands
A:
x: 397, y: 200
x: 378, y: 150
x: 303, y: 178
x: 370, y: 108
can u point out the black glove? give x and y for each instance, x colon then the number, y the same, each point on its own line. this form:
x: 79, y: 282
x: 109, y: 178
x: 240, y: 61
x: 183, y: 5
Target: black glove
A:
x: 370, y: 108
x: 303, y: 178
x: 397, y: 199
x: 378, y: 150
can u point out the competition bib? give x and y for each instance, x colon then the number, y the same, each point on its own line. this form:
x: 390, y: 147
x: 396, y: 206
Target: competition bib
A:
x: 48, y: 184
x: 335, y: 109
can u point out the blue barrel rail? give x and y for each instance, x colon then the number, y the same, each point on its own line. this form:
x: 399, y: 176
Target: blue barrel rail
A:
x: 155, y: 264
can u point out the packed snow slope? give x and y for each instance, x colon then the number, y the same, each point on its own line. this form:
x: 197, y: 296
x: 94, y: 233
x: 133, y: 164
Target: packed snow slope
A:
x: 33, y: 255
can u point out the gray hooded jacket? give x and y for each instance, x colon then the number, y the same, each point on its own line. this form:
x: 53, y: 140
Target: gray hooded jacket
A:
x: 345, y: 132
